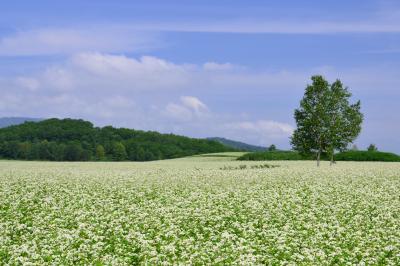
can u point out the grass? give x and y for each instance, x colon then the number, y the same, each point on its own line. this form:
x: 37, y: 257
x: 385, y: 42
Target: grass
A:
x: 189, y: 211
x: 221, y: 154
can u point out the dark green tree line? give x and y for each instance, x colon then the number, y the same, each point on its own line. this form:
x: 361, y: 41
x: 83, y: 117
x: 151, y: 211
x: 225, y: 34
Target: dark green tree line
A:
x: 78, y: 140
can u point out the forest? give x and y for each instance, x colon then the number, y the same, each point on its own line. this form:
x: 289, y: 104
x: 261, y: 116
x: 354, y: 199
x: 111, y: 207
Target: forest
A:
x: 79, y: 140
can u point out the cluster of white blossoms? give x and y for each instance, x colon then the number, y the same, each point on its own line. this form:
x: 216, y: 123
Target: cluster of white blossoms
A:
x: 189, y: 211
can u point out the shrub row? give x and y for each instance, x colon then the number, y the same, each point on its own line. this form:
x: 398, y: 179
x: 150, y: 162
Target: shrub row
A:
x: 367, y: 156
x: 271, y: 156
x: 343, y: 156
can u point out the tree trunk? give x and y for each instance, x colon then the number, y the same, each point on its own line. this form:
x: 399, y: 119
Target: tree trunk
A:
x: 332, y: 162
x: 318, y: 157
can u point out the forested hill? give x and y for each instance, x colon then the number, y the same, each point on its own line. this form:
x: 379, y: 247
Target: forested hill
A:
x: 238, y: 145
x: 78, y: 140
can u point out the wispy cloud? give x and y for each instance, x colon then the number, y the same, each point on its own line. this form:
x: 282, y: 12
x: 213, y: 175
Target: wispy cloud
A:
x: 88, y: 73
x: 383, y: 51
x: 189, y: 108
x: 384, y: 18
x: 52, y: 41
x: 377, y: 24
x: 144, y: 35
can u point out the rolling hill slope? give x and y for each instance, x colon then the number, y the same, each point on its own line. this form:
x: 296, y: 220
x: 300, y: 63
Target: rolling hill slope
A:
x: 238, y: 145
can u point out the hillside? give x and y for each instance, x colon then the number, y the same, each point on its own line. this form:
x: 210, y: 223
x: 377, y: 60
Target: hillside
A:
x: 78, y: 140
x: 10, y: 121
x: 238, y: 145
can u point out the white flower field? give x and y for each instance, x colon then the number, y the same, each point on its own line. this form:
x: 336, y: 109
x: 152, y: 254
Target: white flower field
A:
x: 199, y: 210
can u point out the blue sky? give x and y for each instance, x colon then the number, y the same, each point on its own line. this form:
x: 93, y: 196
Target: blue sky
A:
x: 234, y: 69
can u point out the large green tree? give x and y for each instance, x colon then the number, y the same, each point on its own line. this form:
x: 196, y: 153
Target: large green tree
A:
x: 326, y: 121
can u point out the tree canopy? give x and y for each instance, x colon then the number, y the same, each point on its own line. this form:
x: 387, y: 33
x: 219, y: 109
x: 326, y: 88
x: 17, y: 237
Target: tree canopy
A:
x: 79, y: 140
x: 372, y: 147
x: 272, y: 147
x: 326, y: 121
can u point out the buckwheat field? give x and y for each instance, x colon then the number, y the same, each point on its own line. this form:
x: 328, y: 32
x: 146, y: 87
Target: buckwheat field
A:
x: 199, y: 210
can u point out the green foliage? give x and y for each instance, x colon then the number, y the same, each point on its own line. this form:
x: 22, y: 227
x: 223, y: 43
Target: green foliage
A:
x: 372, y: 147
x: 326, y: 121
x: 273, y: 155
x: 342, y: 156
x: 100, y: 153
x: 78, y: 140
x: 367, y: 156
x: 73, y: 152
x: 272, y: 148
x: 119, y: 152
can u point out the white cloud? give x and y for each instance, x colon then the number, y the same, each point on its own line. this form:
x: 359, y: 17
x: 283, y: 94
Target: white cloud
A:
x: 383, y: 19
x: 194, y: 104
x: 99, y: 71
x: 88, y: 72
x: 188, y: 109
x: 188, y: 117
x: 50, y: 41
x: 146, y: 73
x: 146, y: 93
x: 151, y: 72
x: 59, y: 78
x: 143, y: 36
x: 261, y: 131
x: 178, y: 112
x: 105, y: 64
x: 111, y: 107
x: 212, y: 66
x: 316, y: 26
x: 29, y: 83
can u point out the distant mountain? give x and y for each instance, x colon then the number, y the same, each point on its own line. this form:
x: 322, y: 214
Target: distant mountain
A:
x: 238, y: 145
x: 11, y: 121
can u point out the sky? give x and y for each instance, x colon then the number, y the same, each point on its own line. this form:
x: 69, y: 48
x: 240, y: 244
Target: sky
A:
x: 233, y: 69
